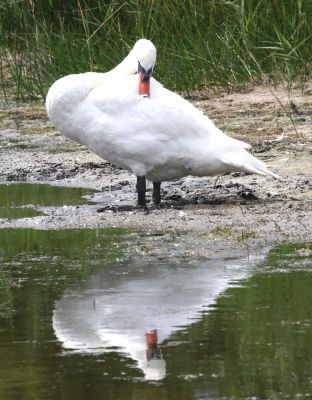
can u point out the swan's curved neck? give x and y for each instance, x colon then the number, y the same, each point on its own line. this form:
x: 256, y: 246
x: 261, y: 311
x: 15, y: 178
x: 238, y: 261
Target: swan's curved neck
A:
x: 127, y: 67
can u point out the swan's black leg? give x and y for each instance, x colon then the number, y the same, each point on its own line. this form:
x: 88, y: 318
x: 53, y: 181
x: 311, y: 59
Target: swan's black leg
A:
x: 141, y: 189
x: 156, y: 193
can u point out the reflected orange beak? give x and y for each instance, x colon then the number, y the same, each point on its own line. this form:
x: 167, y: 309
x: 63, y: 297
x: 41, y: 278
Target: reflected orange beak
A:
x: 151, y: 344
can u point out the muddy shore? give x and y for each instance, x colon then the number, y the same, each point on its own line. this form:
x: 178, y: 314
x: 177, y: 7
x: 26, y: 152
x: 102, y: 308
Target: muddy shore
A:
x: 237, y: 210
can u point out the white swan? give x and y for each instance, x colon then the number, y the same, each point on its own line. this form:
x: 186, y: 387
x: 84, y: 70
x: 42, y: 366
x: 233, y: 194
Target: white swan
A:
x: 162, y: 137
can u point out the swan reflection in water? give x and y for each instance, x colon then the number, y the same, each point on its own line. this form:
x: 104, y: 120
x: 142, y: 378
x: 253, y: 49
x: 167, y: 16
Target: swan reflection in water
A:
x: 134, y: 306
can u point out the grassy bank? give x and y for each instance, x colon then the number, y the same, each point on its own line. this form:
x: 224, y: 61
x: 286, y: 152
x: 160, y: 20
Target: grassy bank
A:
x: 200, y: 43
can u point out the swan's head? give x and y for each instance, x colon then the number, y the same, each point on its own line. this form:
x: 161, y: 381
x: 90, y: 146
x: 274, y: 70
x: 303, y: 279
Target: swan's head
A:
x: 140, y: 60
x: 144, y: 53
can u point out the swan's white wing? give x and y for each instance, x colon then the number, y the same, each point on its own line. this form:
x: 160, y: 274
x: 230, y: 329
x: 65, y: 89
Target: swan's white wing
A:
x: 163, y: 137
x: 163, y: 131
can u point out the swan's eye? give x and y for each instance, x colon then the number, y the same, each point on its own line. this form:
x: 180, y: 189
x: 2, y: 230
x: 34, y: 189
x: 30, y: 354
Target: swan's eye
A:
x: 140, y: 68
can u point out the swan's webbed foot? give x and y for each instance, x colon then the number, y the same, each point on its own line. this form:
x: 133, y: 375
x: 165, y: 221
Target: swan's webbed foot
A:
x: 156, y: 197
x: 141, y: 190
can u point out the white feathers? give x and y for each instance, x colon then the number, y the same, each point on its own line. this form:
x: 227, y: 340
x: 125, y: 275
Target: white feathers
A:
x: 163, y: 137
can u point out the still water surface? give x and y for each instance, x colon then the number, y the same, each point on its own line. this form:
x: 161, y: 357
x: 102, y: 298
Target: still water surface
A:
x: 21, y: 200
x: 73, y: 321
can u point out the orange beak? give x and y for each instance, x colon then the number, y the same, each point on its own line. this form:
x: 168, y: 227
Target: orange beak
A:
x: 144, y: 85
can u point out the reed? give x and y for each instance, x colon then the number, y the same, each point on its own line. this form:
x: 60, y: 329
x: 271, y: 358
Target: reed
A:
x: 200, y: 43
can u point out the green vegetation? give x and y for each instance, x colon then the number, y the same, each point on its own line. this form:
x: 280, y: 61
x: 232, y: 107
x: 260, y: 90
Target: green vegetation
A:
x: 200, y: 43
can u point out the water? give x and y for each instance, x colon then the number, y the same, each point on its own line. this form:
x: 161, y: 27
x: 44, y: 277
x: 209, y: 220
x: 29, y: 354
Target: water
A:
x: 21, y: 200
x: 73, y: 316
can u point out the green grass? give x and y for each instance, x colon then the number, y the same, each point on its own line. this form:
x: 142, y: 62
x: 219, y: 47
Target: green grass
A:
x: 222, y: 43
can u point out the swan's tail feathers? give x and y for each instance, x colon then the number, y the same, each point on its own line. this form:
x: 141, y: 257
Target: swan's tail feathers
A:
x: 263, y: 171
x: 246, y: 162
x: 242, y: 144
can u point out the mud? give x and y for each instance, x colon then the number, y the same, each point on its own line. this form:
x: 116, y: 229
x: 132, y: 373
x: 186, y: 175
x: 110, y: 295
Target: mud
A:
x: 249, y: 211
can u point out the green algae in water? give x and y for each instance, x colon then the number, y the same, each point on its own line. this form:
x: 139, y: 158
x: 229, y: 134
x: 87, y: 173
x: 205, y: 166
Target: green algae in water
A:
x: 19, y: 212
x: 20, y: 194
x: 17, y: 199
x: 36, y: 265
x: 253, y: 342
